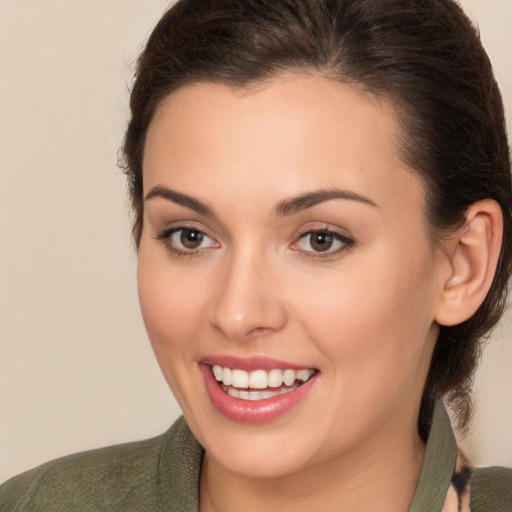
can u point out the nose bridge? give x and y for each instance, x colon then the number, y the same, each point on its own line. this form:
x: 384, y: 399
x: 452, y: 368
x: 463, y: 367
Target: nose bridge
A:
x: 247, y: 302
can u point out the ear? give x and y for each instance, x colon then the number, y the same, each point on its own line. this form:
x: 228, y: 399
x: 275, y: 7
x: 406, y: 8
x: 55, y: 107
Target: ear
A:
x: 472, y: 256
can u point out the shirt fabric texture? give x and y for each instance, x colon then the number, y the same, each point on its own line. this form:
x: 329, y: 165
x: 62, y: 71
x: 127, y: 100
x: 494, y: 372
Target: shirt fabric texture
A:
x: 162, y: 475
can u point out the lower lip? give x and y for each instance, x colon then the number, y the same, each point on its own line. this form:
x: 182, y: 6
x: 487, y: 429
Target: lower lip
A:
x: 249, y: 411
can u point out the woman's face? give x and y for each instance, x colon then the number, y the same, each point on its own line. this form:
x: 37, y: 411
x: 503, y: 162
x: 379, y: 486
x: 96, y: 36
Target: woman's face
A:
x: 283, y: 232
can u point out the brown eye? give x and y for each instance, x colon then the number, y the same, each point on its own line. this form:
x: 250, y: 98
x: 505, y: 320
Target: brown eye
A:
x: 186, y: 241
x: 191, y: 238
x: 321, y: 241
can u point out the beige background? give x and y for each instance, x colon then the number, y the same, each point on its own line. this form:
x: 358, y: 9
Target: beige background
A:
x: 76, y: 370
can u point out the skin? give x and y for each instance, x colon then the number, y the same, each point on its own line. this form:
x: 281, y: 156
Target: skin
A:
x: 363, y: 314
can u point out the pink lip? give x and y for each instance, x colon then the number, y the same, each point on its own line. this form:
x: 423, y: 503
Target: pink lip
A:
x: 250, y: 364
x: 257, y: 411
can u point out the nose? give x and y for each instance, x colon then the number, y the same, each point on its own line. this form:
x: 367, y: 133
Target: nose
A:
x: 248, y: 302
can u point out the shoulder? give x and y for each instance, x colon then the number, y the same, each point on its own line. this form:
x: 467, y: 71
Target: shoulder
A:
x: 491, y: 489
x: 83, y: 481
x: 122, y: 477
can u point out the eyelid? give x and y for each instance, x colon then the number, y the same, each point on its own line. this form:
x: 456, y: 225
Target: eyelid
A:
x: 166, y: 237
x: 347, y: 242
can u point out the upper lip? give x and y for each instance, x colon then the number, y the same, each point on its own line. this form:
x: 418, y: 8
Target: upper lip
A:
x: 250, y: 364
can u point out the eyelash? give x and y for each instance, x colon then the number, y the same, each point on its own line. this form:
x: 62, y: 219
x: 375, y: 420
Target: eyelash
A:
x: 346, y: 243
x: 166, y: 237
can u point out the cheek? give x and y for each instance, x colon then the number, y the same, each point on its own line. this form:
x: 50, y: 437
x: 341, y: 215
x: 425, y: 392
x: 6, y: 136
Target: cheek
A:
x: 171, y: 303
x: 171, y: 306
x: 373, y: 320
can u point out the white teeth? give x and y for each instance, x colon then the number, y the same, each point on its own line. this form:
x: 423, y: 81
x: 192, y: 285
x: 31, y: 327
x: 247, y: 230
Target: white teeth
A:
x: 275, y: 378
x: 217, y: 371
x: 233, y: 392
x: 227, y: 376
x: 240, y: 379
x: 304, y: 375
x: 258, y: 379
x: 244, y: 395
x: 269, y: 394
x: 289, y: 377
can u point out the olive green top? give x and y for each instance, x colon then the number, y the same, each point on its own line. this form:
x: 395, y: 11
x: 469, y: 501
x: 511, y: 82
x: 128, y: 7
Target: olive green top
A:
x: 162, y: 474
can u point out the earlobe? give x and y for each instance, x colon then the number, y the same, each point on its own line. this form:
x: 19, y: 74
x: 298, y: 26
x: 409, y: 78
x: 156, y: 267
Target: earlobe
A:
x: 472, y: 256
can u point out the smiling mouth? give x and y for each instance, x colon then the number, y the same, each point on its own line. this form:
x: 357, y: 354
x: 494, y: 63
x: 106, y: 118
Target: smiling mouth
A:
x: 260, y: 384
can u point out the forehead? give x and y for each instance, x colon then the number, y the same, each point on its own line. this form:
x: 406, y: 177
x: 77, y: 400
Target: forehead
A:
x: 284, y: 136
x: 302, y: 101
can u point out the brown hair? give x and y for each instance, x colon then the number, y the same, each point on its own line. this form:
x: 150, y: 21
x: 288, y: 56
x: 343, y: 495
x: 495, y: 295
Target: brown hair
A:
x: 424, y: 55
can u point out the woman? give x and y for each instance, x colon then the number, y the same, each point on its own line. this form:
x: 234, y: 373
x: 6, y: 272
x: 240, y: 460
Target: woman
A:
x: 322, y: 205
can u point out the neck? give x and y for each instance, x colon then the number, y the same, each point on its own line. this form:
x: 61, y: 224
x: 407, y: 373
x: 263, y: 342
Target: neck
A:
x: 384, y: 472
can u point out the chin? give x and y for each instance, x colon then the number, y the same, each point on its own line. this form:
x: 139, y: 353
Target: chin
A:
x: 257, y: 463
x: 257, y: 451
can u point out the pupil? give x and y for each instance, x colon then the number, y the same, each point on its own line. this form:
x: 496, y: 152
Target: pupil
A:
x: 191, y: 239
x: 322, y: 241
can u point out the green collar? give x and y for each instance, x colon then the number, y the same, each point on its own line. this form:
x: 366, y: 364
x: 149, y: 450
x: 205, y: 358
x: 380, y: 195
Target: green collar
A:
x: 438, y: 465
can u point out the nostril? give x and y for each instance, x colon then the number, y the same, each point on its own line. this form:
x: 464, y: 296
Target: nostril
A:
x: 260, y: 331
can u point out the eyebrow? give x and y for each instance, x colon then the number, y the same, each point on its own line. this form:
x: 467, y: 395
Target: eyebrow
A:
x: 310, y: 199
x: 181, y: 199
x: 283, y: 209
